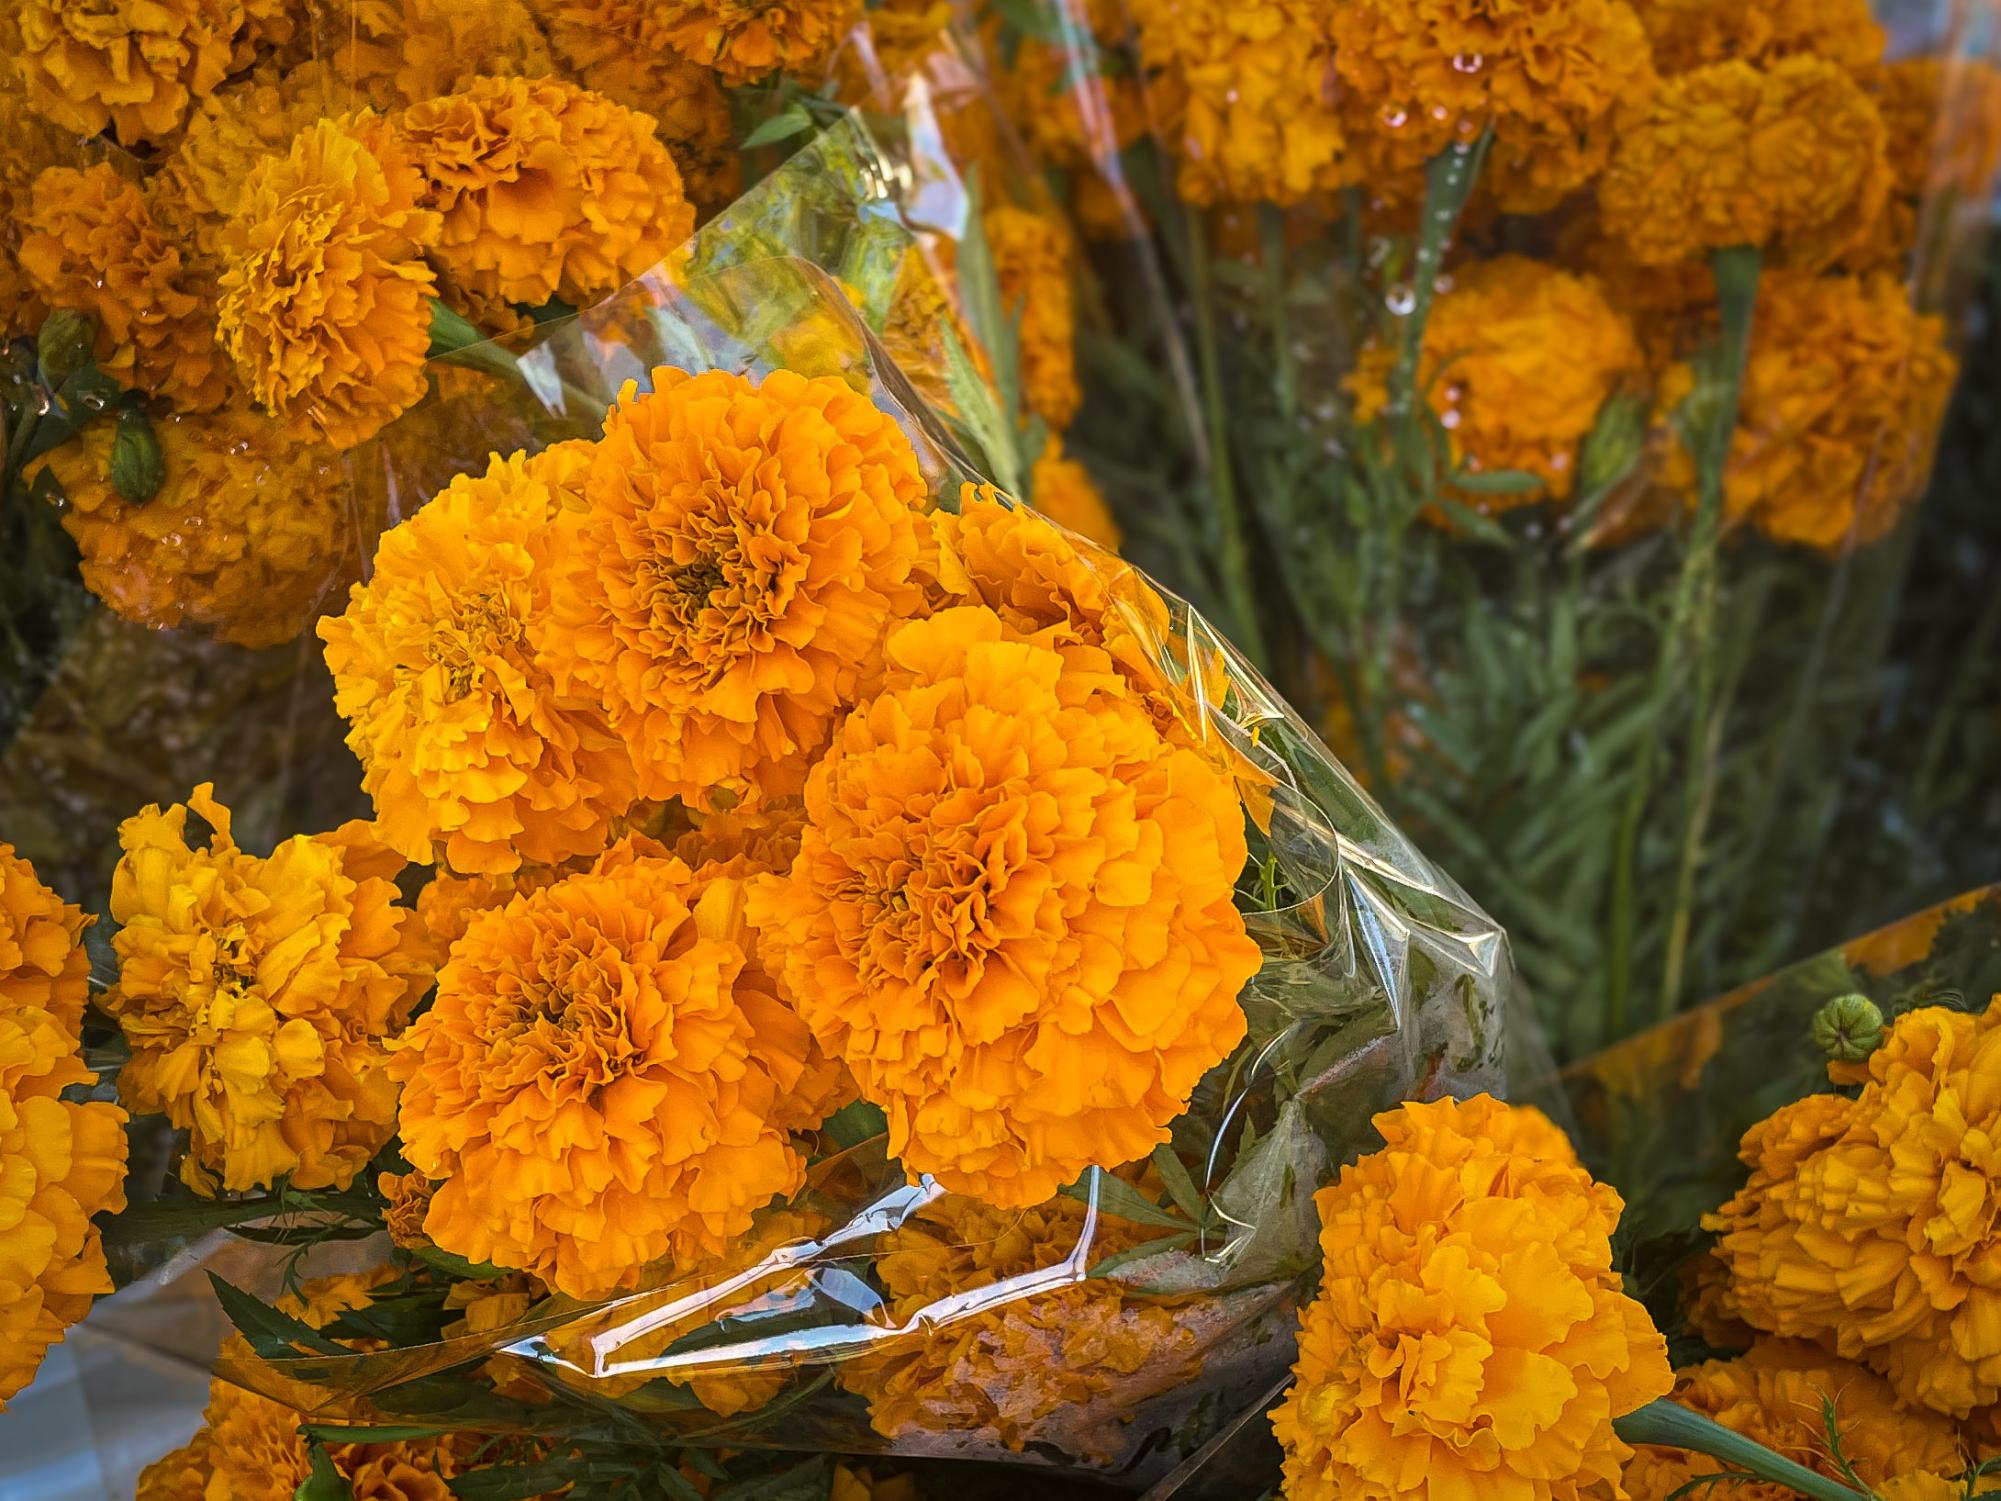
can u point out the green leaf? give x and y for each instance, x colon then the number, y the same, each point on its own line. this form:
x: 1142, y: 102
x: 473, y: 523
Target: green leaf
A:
x: 453, y: 1265
x: 272, y: 1334
x: 64, y: 345
x: 854, y: 1123
x: 137, y: 469
x: 791, y: 121
x: 1119, y: 1198
x: 808, y: 1480
x: 1495, y: 481
x: 373, y: 1433
x: 979, y: 285
x: 1180, y: 1187
x: 1141, y: 1252
x: 325, y: 1483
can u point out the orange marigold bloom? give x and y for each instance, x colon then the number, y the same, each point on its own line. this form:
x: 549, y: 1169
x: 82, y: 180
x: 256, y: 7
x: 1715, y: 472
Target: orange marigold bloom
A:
x: 1062, y: 489
x: 1867, y: 1225
x: 1070, y: 115
x: 1924, y: 1485
x: 744, y: 549
x: 180, y: 1475
x: 743, y: 40
x: 257, y: 994
x: 1773, y: 1395
x: 1544, y: 75
x: 544, y: 189
x: 1518, y: 358
x: 605, y: 1079
x: 1470, y: 1336
x: 398, y: 52
x: 1844, y: 391
x: 1790, y: 158
x: 326, y: 301
x: 33, y: 146
x: 1031, y: 256
x: 247, y: 535
x: 61, y: 1160
x: 467, y: 745
x: 1030, y: 967
x: 448, y: 904
x: 133, y: 66
x: 1245, y: 94
x: 90, y: 244
x: 746, y: 838
x: 1062, y: 1364
x: 409, y: 1200
x: 1943, y: 124
x: 1689, y: 34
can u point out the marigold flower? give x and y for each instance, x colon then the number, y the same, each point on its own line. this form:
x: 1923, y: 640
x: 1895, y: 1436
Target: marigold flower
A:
x: 179, y: 1475
x: 1244, y: 93
x: 1062, y: 1364
x: 863, y: 1485
x: 61, y: 1160
x: 1031, y: 259
x: 467, y: 745
x: 326, y: 300
x: 134, y: 66
x: 1773, y: 1395
x: 1518, y: 358
x: 1070, y: 115
x: 1470, y: 1336
x: 247, y: 534
x: 90, y: 244
x: 1063, y: 490
x: 1789, y: 158
x: 448, y: 903
x: 605, y: 1079
x: 1844, y: 390
x: 1028, y: 970
x: 1923, y: 1485
x: 33, y: 146
x: 744, y: 550
x: 408, y: 1197
x: 746, y: 839
x: 398, y: 52
x: 902, y: 35
x: 256, y: 995
x: 1943, y: 126
x: 1867, y: 1224
x: 743, y: 40
x: 1688, y: 34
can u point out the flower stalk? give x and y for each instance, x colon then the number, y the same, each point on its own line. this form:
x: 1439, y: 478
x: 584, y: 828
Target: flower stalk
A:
x: 1668, y: 1423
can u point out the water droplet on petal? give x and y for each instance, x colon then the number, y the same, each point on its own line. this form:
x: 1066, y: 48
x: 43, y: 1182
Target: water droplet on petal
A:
x: 1400, y: 300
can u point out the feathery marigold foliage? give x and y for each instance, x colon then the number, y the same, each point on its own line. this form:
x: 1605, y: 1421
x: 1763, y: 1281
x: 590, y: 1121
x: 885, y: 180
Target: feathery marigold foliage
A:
x: 1031, y: 257
x: 606, y: 1079
x: 743, y: 550
x: 61, y: 1160
x: 257, y: 995
x: 468, y: 747
x: 1518, y: 357
x: 1470, y: 1336
x: 246, y: 536
x: 1867, y: 1225
x: 744, y: 40
x: 325, y: 304
x: 134, y: 67
x: 1028, y: 966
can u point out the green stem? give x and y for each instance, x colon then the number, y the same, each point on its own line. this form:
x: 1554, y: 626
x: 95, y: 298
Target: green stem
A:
x: 1676, y: 1427
x: 1234, y: 546
x: 178, y: 1218
x: 1271, y: 235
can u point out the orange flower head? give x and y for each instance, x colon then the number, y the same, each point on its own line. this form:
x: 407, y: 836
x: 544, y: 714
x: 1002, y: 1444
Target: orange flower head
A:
x: 179, y: 1475
x: 744, y: 40
x: 1070, y: 116
x: 1011, y: 914
x: 1061, y: 1365
x: 1773, y: 1395
x: 1689, y: 34
x: 468, y: 746
x: 33, y: 146
x: 1031, y: 257
x: 743, y: 551
x: 247, y: 535
x: 408, y: 1200
x: 1518, y: 358
x: 135, y: 67
x: 62, y: 1160
x: 1470, y: 1336
x: 1943, y: 123
x: 1868, y: 1225
x: 398, y: 52
x: 1790, y: 158
x: 326, y: 300
x: 90, y: 243
x: 1064, y: 491
x: 257, y: 995
x: 606, y: 1078
x: 1845, y: 389
x: 448, y: 904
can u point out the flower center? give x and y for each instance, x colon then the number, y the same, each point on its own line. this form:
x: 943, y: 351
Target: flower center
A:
x: 481, y: 627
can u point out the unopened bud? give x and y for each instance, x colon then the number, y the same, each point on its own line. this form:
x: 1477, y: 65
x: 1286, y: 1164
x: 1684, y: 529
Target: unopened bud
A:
x: 137, y: 469
x: 64, y: 345
x: 1848, y: 1028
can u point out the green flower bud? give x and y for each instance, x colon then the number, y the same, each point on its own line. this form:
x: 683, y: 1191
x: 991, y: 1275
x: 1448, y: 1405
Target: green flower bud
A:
x: 64, y: 345
x: 137, y: 469
x: 1848, y: 1028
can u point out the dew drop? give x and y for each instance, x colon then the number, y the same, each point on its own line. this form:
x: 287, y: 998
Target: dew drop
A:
x: 1468, y: 62
x: 1400, y: 300
x: 1393, y: 117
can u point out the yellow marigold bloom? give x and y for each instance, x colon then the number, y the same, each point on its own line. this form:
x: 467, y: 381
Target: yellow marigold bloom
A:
x: 1924, y: 1485
x: 1773, y: 1395
x: 1518, y: 358
x: 743, y: 40
x: 1031, y: 256
x: 544, y: 189
x: 1470, y: 1337
x: 1061, y: 1365
x: 1868, y: 1224
x: 467, y: 746
x: 1063, y: 490
x: 1688, y: 34
x: 744, y: 550
x: 326, y: 300
x: 180, y: 1475
x: 1243, y: 91
x: 1844, y: 391
x: 398, y: 52
x: 135, y: 67
x: 89, y: 243
x: 256, y: 995
x: 1789, y: 158
x: 409, y: 1200
x: 247, y: 535
x: 1943, y: 122
x: 605, y: 1079
x: 901, y: 35
x: 61, y: 1160
x: 202, y: 181
x: 746, y: 838
x: 1544, y: 75
x: 1067, y: 1026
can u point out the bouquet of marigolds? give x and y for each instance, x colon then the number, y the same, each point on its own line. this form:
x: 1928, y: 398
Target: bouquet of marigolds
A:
x: 1544, y: 393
